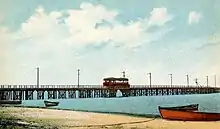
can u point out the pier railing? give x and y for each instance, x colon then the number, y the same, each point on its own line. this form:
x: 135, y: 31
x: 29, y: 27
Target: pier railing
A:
x: 97, y: 86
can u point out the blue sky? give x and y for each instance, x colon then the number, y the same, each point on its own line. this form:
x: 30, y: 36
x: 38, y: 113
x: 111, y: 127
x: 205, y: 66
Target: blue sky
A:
x: 103, y: 38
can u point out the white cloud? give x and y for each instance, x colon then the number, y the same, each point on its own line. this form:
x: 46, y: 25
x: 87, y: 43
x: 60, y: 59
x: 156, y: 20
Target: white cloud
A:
x: 55, y: 40
x: 159, y: 16
x: 194, y: 17
x: 40, y: 25
x: 87, y: 26
x: 83, y: 23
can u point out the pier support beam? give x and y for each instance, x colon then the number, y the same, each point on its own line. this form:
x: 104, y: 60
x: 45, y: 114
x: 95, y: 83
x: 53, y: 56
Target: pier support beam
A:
x: 71, y: 94
x: 40, y: 95
x: 112, y: 93
x: 17, y: 95
x: 62, y: 94
x: 52, y: 94
x: 125, y: 93
x: 29, y: 95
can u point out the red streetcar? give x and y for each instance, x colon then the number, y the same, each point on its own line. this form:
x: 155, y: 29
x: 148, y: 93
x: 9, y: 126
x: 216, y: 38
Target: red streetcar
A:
x: 113, y: 82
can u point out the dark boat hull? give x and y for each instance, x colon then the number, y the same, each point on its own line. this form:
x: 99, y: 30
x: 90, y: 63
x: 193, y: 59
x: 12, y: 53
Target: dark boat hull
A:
x: 191, y: 107
x: 10, y: 102
x: 183, y: 115
x: 49, y: 103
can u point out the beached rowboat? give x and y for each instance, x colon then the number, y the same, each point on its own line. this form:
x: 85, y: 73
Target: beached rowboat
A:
x: 184, y: 115
x: 50, y: 103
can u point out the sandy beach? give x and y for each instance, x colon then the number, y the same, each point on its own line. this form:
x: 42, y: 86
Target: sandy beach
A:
x: 65, y: 119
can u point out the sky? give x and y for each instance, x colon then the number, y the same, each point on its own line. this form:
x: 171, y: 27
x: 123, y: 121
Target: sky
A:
x: 102, y: 38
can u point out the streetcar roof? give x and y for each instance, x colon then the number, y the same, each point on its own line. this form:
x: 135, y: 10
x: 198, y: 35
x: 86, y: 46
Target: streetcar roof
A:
x: 116, y: 79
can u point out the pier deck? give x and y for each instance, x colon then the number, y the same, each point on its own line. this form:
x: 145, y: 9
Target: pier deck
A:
x: 34, y: 92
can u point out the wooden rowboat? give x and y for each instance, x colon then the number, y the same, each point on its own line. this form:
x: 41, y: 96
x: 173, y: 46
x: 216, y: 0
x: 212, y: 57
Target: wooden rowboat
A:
x: 50, y: 103
x: 184, y: 115
x: 191, y: 107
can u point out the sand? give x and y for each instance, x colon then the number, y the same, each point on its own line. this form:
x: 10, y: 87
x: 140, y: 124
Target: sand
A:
x: 86, y: 120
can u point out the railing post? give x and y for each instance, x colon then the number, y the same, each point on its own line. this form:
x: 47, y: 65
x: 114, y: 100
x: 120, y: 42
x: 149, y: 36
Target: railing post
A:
x: 187, y: 79
x: 123, y: 74
x: 215, y: 80
x: 150, y: 78
x: 38, y: 77
x: 207, y: 80
x: 78, y: 77
x: 171, y: 79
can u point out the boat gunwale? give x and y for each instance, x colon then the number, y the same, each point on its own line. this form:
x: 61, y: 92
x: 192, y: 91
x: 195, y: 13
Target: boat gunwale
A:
x: 173, y: 107
x: 194, y: 112
x: 181, y: 107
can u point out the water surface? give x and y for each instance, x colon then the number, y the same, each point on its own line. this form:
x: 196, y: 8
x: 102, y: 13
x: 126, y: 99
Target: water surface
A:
x: 135, y: 105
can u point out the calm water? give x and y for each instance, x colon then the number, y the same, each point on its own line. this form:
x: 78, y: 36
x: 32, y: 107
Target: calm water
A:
x: 135, y: 105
